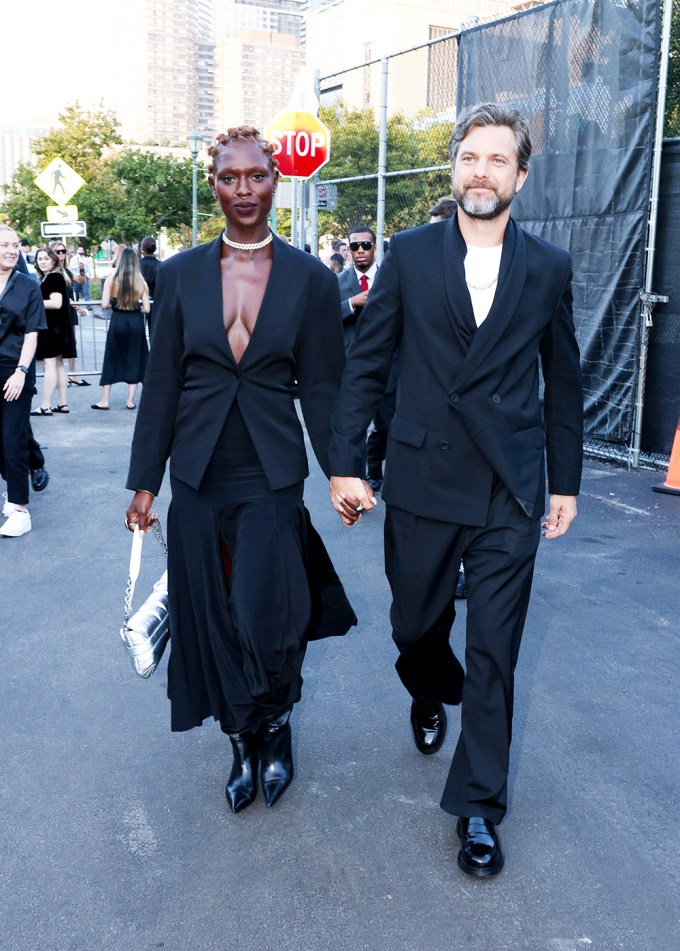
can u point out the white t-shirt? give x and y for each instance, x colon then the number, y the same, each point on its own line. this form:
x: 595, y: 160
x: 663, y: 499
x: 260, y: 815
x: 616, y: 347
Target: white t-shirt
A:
x: 481, y: 275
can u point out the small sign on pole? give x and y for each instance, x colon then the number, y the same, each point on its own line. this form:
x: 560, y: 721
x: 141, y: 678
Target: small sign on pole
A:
x: 63, y: 229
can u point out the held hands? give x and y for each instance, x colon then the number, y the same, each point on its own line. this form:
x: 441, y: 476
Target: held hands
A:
x: 138, y: 512
x: 350, y: 497
x: 562, y: 513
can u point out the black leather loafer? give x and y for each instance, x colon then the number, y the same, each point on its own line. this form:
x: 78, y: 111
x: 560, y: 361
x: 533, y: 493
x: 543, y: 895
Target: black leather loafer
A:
x: 481, y: 853
x: 39, y: 479
x: 428, y: 723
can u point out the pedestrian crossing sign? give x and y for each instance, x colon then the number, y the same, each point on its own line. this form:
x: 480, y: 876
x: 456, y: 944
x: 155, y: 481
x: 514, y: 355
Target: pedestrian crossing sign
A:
x: 59, y: 181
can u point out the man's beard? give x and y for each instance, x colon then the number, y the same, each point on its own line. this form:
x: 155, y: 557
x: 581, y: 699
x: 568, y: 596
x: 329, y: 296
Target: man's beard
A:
x: 484, y: 209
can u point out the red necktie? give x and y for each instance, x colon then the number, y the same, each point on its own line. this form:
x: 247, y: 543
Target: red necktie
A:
x: 363, y: 283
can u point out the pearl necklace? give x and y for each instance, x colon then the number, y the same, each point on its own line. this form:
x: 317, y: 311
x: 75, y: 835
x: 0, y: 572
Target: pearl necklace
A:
x: 251, y: 246
x: 482, y: 287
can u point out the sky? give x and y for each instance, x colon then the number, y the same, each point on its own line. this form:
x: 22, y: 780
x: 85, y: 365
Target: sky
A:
x: 55, y: 59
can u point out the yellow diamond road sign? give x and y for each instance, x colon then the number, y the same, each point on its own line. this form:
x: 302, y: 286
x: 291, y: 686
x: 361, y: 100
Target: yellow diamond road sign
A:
x: 59, y: 181
x: 62, y: 212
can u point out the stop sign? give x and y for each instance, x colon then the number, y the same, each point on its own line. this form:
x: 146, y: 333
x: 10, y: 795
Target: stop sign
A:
x: 301, y: 142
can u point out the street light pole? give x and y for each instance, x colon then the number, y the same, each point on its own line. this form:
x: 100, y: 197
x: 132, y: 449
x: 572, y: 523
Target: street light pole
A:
x: 194, y: 141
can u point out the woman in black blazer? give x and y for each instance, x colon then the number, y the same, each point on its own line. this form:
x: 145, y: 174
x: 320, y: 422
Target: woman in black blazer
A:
x: 237, y: 324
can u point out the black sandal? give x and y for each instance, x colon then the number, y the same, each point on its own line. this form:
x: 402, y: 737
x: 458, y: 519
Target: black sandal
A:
x: 61, y: 409
x: 41, y: 412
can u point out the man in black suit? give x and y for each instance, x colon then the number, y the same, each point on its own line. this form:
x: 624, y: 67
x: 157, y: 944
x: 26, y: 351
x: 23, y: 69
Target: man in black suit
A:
x: 472, y: 303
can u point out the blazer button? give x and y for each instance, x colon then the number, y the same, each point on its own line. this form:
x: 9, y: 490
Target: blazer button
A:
x: 236, y: 375
x: 444, y: 445
x: 496, y: 398
x: 453, y: 398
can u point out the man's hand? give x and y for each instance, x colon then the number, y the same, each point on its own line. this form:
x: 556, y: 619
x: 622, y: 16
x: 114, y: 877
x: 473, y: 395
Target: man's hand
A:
x: 359, y: 300
x: 562, y: 513
x: 350, y: 497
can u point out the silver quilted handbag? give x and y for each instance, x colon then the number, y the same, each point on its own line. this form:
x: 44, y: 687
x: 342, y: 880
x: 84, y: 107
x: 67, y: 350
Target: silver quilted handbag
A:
x: 146, y: 634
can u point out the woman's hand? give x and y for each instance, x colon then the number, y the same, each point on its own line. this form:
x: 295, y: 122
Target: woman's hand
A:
x: 14, y: 386
x: 138, y: 512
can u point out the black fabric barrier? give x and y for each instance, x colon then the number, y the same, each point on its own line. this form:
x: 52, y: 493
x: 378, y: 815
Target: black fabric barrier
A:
x: 662, y: 392
x: 584, y: 72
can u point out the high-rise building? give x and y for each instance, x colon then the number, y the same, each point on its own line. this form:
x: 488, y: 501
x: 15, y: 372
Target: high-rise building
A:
x: 258, y: 58
x: 163, y: 64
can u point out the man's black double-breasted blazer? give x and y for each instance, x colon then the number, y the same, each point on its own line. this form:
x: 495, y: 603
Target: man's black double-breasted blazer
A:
x: 468, y: 407
x: 192, y: 378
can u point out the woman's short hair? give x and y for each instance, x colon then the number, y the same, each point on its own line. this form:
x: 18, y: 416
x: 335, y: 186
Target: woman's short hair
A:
x: 489, y: 113
x: 241, y: 133
x: 148, y: 245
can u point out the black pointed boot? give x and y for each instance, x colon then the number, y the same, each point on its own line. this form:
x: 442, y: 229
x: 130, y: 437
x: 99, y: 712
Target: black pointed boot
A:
x: 276, y: 758
x: 242, y: 785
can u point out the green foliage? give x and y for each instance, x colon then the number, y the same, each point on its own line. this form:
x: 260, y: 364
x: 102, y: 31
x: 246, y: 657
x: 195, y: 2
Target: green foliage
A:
x: 80, y: 139
x: 127, y: 194
x: 354, y: 151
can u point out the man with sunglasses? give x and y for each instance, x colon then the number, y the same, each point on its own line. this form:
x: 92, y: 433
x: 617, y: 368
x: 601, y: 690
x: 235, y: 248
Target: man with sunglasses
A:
x: 476, y: 305
x: 356, y: 281
x: 355, y: 284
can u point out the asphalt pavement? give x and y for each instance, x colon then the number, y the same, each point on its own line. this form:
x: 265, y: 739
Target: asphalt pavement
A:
x: 116, y: 835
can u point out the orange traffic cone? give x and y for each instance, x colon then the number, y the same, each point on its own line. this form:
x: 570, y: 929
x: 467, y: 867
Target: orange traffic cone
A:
x: 672, y: 483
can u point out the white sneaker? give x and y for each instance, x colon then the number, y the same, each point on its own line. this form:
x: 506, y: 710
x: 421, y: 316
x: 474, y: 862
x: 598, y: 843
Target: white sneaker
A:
x: 18, y: 523
x: 7, y: 509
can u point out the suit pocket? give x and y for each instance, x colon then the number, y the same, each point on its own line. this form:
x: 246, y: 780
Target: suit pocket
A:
x: 412, y: 434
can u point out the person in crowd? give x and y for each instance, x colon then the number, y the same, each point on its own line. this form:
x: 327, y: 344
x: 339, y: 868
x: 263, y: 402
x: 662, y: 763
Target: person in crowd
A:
x: 22, y: 317
x: 445, y: 208
x: 36, y: 458
x: 355, y: 284
x: 236, y: 323
x: 62, y: 252
x: 82, y: 273
x: 126, y: 352
x: 336, y: 263
x: 27, y: 257
x: 476, y: 305
x: 149, y: 265
x: 56, y: 342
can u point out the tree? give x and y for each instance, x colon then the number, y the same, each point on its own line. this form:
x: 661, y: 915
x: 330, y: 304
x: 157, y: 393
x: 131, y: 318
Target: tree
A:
x: 354, y: 151
x: 144, y: 192
x: 128, y: 192
x: 80, y: 139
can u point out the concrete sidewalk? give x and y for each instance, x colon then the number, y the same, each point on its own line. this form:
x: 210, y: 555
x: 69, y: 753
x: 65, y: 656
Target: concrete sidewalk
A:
x: 116, y: 834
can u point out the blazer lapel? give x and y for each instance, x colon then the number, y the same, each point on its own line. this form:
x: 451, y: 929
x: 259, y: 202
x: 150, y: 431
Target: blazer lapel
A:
x: 455, y: 288
x: 511, y: 278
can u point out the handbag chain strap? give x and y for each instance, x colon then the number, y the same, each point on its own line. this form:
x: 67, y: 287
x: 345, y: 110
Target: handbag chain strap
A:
x: 136, y: 561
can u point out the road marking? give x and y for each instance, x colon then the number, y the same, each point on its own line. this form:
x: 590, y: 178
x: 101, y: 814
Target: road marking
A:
x: 630, y: 509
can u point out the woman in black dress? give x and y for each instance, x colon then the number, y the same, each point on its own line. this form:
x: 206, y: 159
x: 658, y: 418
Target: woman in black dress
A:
x: 126, y: 351
x: 237, y: 323
x: 57, y: 341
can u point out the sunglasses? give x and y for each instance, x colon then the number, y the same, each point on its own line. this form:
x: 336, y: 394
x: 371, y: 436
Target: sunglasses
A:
x: 364, y: 245
x: 60, y: 250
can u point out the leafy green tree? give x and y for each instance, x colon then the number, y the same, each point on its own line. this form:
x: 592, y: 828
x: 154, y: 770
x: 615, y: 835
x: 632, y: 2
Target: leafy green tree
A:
x: 128, y: 193
x: 80, y: 139
x: 354, y: 151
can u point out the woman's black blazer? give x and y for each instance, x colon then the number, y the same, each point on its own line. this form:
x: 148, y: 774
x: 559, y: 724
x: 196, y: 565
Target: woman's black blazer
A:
x: 192, y: 377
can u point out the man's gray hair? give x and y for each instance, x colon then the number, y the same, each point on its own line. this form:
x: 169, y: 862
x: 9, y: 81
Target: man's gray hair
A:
x: 488, y: 113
